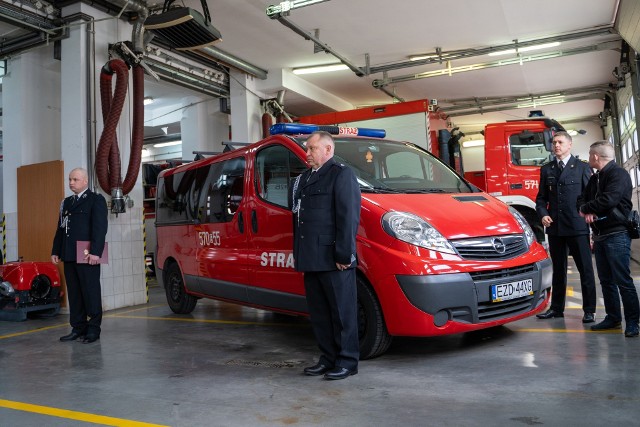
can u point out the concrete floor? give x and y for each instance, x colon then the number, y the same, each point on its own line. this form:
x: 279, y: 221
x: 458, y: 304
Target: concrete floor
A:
x: 226, y: 365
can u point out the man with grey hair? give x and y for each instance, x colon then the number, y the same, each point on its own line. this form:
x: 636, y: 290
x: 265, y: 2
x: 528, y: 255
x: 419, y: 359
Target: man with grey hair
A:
x: 326, y: 204
x: 605, y: 206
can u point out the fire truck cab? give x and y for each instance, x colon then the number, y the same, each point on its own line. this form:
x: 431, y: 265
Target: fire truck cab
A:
x: 435, y: 255
x: 514, y: 151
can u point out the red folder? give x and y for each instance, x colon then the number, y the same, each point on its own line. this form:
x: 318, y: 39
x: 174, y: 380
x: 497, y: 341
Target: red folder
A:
x: 82, y: 251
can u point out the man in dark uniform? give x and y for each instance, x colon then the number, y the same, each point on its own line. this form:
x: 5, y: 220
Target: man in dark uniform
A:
x: 83, y: 217
x: 561, y: 182
x: 326, y: 204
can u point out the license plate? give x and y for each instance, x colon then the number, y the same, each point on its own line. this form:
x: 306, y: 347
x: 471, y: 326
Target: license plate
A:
x: 512, y: 290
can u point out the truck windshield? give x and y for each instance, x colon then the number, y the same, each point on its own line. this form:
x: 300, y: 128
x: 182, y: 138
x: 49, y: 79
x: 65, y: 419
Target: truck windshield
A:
x: 528, y: 149
x: 397, y: 167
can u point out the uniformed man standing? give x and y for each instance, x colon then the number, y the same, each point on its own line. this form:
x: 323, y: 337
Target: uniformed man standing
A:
x: 561, y: 182
x: 326, y: 204
x: 83, y: 217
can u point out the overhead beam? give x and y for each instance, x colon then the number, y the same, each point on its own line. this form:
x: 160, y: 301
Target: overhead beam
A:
x: 379, y: 83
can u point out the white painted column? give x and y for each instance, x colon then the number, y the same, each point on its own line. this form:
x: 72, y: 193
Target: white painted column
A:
x: 123, y: 279
x: 246, y: 113
x: 31, y: 126
x: 203, y: 127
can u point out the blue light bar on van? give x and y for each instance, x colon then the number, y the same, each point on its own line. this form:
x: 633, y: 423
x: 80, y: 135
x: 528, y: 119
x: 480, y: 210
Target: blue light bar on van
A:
x: 298, y: 129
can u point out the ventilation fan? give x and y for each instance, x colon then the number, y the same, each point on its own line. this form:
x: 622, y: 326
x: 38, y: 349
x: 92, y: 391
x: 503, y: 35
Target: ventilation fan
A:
x: 183, y: 28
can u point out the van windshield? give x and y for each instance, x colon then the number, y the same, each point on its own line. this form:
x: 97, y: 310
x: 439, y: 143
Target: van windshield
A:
x: 397, y: 167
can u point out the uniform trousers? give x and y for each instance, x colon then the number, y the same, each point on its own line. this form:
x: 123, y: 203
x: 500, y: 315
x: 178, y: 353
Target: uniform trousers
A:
x: 85, y: 297
x: 580, y: 249
x: 333, y: 307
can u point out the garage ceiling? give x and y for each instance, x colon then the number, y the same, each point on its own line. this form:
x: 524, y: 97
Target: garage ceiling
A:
x: 379, y: 34
x: 390, y: 32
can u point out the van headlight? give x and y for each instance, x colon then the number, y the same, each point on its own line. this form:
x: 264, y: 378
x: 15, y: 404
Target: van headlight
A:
x: 528, y: 232
x: 412, y: 229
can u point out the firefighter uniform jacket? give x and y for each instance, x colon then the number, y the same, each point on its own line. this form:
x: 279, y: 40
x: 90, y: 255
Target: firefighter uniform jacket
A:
x: 557, y: 195
x: 327, y: 214
x: 82, y: 219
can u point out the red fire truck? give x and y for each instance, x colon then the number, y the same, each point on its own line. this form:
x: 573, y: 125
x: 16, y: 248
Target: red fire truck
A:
x: 435, y: 254
x: 508, y: 167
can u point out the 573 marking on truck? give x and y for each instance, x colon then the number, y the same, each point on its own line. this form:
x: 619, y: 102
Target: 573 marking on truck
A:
x: 531, y: 184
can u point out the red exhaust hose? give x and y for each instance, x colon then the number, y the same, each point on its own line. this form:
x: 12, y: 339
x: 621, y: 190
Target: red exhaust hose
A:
x: 108, y: 165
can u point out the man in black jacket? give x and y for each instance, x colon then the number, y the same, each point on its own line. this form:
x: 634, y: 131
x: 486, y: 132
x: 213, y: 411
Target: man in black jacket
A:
x: 326, y: 204
x: 605, y: 205
x: 561, y: 183
x: 83, y: 217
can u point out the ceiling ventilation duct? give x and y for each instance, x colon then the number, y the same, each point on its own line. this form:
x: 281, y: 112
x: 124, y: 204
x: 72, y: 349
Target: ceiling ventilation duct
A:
x: 183, y: 28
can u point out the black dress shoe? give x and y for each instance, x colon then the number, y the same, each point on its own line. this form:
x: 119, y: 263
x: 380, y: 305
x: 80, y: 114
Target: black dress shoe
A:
x: 549, y: 314
x: 339, y: 373
x: 72, y: 336
x: 588, y: 318
x: 317, y: 369
x: 606, y: 324
x: 90, y: 338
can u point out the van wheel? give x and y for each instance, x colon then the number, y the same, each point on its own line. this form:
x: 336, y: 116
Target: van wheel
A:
x: 374, y: 338
x: 179, y: 301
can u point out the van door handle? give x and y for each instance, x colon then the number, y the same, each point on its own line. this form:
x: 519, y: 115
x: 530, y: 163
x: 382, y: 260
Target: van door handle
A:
x: 516, y: 186
x: 240, y: 222
x: 254, y: 221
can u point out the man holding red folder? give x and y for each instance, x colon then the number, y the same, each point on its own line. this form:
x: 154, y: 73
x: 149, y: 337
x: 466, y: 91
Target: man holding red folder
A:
x: 83, y: 218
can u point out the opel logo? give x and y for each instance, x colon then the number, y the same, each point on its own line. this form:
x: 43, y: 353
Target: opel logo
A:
x: 498, y: 245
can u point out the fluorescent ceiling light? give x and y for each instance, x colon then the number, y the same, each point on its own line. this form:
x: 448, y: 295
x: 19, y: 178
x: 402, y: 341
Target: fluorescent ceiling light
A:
x: 421, y: 57
x: 167, y: 144
x: 538, y: 102
x: 148, y: 100
x: 320, y: 69
x: 476, y: 143
x: 525, y: 49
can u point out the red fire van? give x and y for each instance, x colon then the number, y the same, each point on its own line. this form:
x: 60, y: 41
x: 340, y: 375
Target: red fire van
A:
x: 435, y: 255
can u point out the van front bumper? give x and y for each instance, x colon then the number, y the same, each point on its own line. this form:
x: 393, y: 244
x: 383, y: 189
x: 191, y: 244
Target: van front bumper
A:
x: 466, y: 297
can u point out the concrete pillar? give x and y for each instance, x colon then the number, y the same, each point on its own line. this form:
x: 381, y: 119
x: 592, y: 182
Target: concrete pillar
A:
x: 31, y: 126
x: 203, y: 127
x: 246, y: 112
x: 123, y: 279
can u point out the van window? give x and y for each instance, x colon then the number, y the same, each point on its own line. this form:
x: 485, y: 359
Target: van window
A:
x: 223, y: 191
x: 175, y: 198
x: 276, y: 167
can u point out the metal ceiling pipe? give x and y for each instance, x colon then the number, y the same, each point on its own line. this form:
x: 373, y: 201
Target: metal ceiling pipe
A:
x: 482, y: 103
x: 137, y: 36
x: 378, y: 83
x: 12, y: 14
x: 513, y: 106
x: 184, y: 79
x: 284, y: 21
x: 442, y: 56
x: 232, y: 61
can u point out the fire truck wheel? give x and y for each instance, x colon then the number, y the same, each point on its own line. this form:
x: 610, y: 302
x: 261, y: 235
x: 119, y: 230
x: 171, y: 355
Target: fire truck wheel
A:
x: 179, y: 301
x: 374, y: 338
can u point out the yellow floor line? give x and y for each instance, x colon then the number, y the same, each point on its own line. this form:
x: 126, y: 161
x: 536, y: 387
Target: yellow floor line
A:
x: 225, y: 322
x: 61, y: 325
x: 17, y: 334
x: 566, y: 331
x: 74, y: 415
